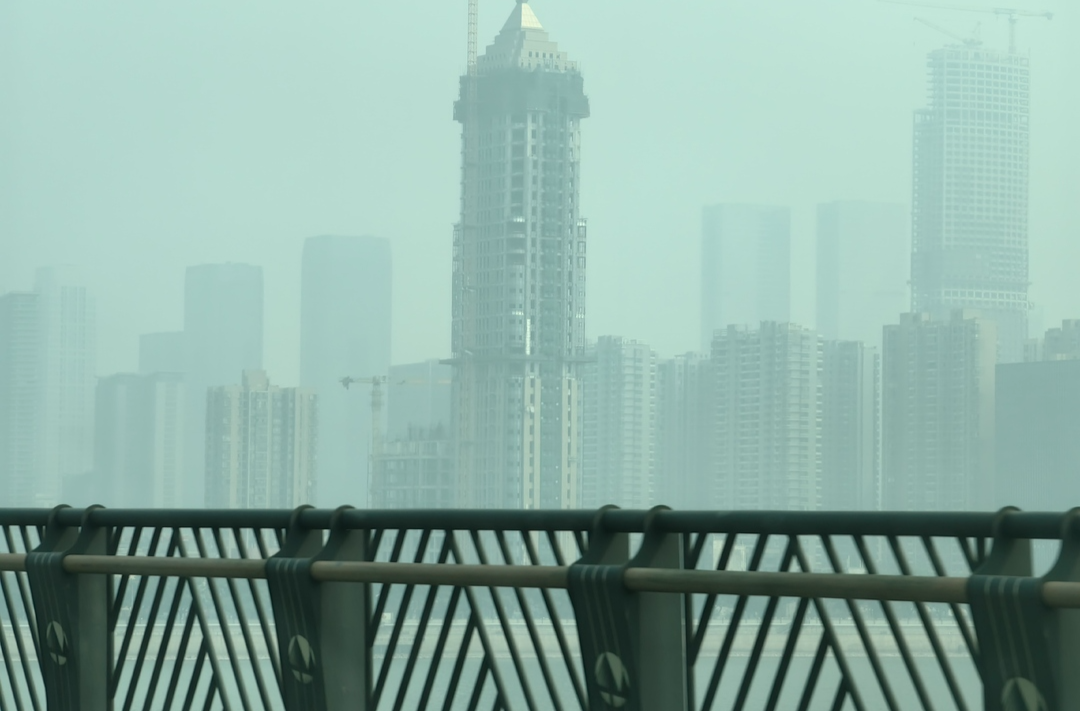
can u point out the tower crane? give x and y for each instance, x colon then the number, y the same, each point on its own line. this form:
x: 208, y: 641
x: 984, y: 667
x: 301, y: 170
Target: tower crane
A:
x: 376, y: 384
x: 973, y: 41
x: 1013, y: 14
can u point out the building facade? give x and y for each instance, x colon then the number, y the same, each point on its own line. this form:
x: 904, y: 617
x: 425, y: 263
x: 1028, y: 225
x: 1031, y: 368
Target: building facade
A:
x: 261, y: 444
x: 850, y: 427
x: 163, y: 352
x: 21, y: 376
x: 745, y: 267
x: 970, y: 191
x: 767, y: 435
x: 139, y: 442
x: 419, y: 396
x: 223, y: 336
x: 618, y: 425
x: 345, y: 331
x: 863, y: 269
x: 415, y: 471
x: 519, y: 262
x: 684, y: 426
x: 1038, y: 434
x: 938, y: 421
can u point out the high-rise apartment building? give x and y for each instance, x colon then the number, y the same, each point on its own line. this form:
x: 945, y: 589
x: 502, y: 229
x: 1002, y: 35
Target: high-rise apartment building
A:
x: 21, y: 376
x: 745, y: 267
x: 970, y: 191
x: 863, y: 267
x: 139, y: 442
x: 684, y: 425
x: 415, y: 471
x: 223, y: 336
x: 260, y: 445
x: 69, y: 367
x: 1062, y: 343
x: 850, y: 426
x: 1037, y: 435
x: 163, y: 352
x: 418, y: 397
x: 344, y: 331
x: 938, y: 413
x: 618, y: 425
x: 766, y: 451
x: 518, y: 331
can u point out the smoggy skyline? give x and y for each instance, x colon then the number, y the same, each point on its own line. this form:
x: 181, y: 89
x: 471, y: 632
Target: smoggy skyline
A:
x: 137, y: 141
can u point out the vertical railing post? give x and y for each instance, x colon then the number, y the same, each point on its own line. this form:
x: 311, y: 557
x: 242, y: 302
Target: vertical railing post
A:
x: 72, y: 617
x: 322, y: 628
x: 1063, y: 625
x: 632, y: 644
x: 1018, y: 663
x: 659, y: 623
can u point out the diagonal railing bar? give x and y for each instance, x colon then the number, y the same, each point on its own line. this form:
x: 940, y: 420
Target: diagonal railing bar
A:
x: 129, y: 633
x: 958, y: 614
x: 29, y: 678
x: 152, y: 619
x: 30, y: 675
x: 459, y: 663
x: 935, y: 640
x: 430, y: 597
x: 556, y: 624
x: 204, y: 625
x: 223, y: 624
x: 163, y: 645
x: 479, y: 684
x: 256, y: 596
x: 504, y: 622
x: 181, y: 650
x: 242, y: 619
x: 788, y: 654
x: 763, y: 631
x: 733, y: 626
x: 386, y: 590
x: 860, y: 626
x: 814, y: 674
x: 440, y: 648
x: 697, y: 639
x: 481, y: 629
x: 399, y: 620
x: 831, y: 637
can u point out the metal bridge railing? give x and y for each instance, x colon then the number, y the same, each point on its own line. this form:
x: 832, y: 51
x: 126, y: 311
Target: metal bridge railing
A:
x: 350, y: 609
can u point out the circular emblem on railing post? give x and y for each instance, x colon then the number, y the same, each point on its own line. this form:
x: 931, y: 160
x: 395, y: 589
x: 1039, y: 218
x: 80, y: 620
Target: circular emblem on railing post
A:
x: 1021, y: 694
x: 57, y: 642
x: 613, y: 680
x: 302, y: 659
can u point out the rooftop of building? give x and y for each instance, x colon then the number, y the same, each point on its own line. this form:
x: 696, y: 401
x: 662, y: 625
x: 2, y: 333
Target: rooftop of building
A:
x: 524, y: 43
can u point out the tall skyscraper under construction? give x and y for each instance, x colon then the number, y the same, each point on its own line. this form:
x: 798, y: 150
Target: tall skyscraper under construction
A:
x: 970, y: 191
x: 518, y: 334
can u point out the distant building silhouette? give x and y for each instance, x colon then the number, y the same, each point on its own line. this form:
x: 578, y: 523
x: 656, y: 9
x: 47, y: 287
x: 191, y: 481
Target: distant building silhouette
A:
x: 863, y: 267
x: 415, y: 471
x: 260, y: 445
x: 686, y: 410
x: 1038, y: 435
x: 21, y: 416
x: 519, y: 263
x: 768, y: 414
x: 618, y: 425
x: 139, y: 443
x: 223, y: 336
x: 344, y: 331
x: 970, y: 201
x: 162, y: 352
x: 418, y: 397
x: 850, y: 426
x: 938, y: 413
x: 745, y: 267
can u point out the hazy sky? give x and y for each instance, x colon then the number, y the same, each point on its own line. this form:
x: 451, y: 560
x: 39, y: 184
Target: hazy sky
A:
x: 137, y: 138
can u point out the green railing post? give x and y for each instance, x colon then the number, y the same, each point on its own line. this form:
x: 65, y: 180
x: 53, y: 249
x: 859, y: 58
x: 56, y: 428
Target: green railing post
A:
x: 72, y: 616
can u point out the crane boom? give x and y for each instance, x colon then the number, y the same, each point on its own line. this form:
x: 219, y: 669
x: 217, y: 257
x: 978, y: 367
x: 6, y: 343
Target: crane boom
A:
x: 1011, y: 13
x: 969, y: 41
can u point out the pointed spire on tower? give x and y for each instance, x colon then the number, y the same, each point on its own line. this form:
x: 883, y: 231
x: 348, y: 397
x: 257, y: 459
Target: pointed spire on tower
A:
x: 522, y: 18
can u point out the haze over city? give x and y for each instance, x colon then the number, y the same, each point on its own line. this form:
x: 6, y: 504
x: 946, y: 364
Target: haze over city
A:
x: 138, y: 139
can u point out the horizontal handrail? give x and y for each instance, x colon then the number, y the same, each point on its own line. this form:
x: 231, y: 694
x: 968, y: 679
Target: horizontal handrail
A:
x: 896, y: 588
x: 1013, y: 524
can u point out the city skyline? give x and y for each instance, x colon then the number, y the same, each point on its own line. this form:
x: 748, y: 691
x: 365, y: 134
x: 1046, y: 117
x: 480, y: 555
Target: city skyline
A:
x: 868, y: 144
